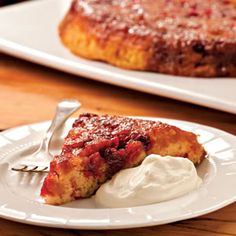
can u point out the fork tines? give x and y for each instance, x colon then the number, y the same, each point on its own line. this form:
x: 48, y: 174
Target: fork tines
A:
x: 31, y: 168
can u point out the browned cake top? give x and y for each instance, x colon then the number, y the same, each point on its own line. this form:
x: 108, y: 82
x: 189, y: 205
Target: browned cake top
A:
x: 90, y: 130
x: 204, y: 20
x: 114, y: 138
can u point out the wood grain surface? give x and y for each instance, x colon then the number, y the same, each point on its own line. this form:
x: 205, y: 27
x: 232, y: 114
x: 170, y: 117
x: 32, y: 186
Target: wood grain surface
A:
x: 29, y: 93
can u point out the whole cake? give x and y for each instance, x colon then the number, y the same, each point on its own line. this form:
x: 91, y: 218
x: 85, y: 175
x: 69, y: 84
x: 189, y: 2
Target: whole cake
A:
x: 179, y: 37
x: 97, y: 147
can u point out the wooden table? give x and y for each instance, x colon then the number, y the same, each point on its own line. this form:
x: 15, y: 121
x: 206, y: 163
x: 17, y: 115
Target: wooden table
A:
x: 29, y: 93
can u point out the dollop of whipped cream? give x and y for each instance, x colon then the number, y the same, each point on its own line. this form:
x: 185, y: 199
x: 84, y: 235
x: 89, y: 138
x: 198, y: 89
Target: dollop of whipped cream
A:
x: 157, y: 179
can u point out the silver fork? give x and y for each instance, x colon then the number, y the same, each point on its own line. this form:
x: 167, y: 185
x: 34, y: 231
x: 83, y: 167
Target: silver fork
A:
x: 39, y: 160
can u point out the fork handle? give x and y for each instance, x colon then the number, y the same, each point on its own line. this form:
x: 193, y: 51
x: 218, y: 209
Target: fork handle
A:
x: 65, y: 108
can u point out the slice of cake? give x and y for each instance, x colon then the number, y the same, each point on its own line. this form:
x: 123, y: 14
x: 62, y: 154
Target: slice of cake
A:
x: 97, y: 147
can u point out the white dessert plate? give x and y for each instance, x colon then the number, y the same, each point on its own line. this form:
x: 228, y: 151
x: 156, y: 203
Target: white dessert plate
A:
x: 29, y: 31
x: 20, y: 201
